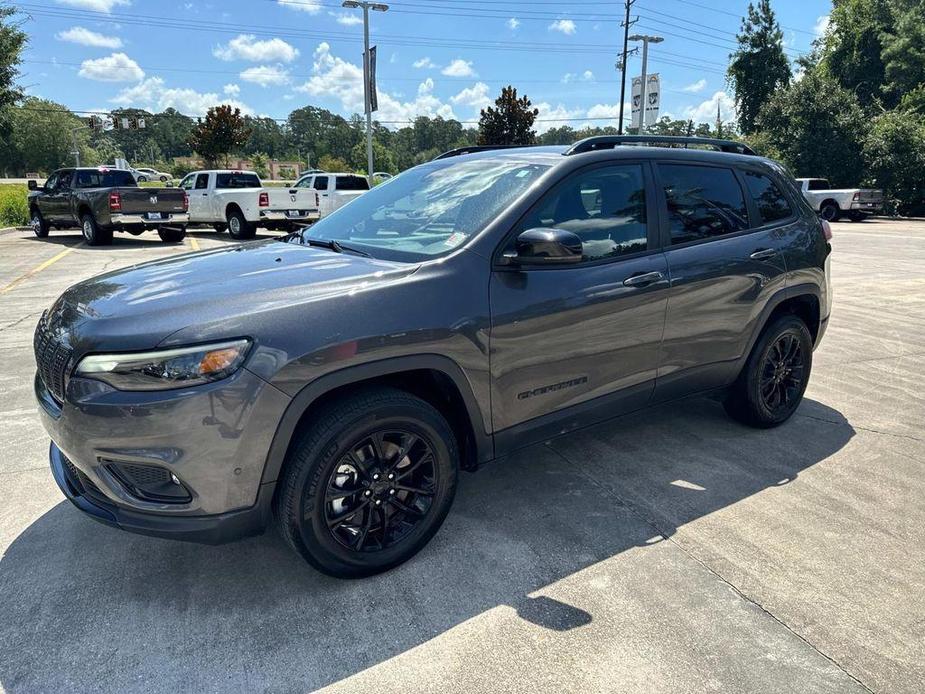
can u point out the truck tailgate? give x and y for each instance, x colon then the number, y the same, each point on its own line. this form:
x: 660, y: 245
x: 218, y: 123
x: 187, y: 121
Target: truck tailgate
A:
x: 868, y: 195
x: 145, y: 200
x: 304, y: 199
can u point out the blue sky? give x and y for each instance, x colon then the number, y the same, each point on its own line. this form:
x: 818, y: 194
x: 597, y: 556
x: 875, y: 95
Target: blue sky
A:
x: 436, y: 57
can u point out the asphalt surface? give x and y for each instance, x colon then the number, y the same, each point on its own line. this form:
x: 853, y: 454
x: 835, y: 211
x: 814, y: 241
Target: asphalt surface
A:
x: 669, y: 551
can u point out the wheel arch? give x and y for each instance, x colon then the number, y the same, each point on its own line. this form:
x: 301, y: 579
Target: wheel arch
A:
x: 802, y: 300
x: 433, y: 378
x: 233, y: 207
x: 828, y: 201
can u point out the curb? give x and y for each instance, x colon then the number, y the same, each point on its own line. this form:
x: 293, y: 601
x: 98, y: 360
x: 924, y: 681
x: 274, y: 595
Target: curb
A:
x: 10, y: 230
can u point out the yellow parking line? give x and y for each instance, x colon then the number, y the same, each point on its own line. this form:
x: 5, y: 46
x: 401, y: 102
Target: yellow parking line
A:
x: 36, y: 270
x: 194, y: 244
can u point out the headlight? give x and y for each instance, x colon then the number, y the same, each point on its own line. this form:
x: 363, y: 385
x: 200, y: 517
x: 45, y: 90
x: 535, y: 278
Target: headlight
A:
x: 165, y: 369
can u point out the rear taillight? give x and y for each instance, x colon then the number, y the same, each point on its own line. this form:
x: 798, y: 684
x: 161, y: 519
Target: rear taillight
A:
x: 856, y: 196
x: 826, y: 230
x: 264, y: 199
x: 185, y: 201
x: 115, y: 202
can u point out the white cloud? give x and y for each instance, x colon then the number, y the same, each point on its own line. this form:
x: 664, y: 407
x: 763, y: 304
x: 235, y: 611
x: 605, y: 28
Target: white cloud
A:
x: 247, y: 47
x: 95, y: 5
x: 566, y: 26
x: 695, y: 87
x: 459, y: 68
x: 586, y: 76
x: 302, y: 5
x: 705, y: 112
x: 154, y: 95
x: 513, y: 23
x: 822, y: 23
x: 347, y: 19
x: 425, y: 63
x: 266, y: 75
x: 555, y: 117
x: 231, y: 90
x: 475, y: 96
x: 336, y: 78
x: 117, y: 67
x: 85, y: 37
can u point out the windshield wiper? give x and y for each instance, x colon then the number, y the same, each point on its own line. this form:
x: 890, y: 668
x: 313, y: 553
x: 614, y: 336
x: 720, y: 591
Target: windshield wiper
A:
x: 333, y: 245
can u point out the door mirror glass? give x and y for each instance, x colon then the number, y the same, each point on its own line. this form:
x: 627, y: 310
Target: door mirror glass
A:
x: 550, y: 246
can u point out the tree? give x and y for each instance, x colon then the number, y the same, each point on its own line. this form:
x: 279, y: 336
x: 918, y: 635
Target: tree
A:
x: 40, y: 138
x: 817, y: 128
x: 510, y: 122
x: 904, y: 51
x: 221, y: 132
x: 267, y: 137
x: 260, y: 164
x: 12, y: 43
x: 333, y: 164
x: 894, y: 153
x: 758, y: 67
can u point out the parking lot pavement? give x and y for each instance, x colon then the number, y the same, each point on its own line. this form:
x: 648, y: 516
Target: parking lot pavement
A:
x: 672, y: 550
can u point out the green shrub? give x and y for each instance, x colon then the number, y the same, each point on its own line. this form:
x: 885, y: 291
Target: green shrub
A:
x: 14, y: 210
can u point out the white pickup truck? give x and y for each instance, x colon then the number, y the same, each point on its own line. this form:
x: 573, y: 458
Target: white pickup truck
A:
x: 334, y: 189
x: 238, y: 202
x: 831, y: 204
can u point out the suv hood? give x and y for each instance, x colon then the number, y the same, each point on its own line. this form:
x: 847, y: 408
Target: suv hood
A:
x: 140, y: 306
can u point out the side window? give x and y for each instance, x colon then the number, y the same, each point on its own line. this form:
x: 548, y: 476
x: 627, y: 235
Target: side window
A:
x: 604, y: 207
x: 321, y: 182
x: 772, y: 205
x: 703, y: 202
x: 304, y: 183
x: 64, y: 180
x: 52, y: 182
x: 351, y: 183
x: 202, y: 181
x: 186, y: 183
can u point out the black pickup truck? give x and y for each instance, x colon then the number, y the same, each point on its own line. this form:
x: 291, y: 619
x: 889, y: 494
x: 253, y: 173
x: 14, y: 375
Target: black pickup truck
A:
x: 101, y: 201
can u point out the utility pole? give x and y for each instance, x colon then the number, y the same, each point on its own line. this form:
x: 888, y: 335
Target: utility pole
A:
x: 646, y: 40
x: 626, y: 35
x: 378, y: 7
x: 74, y: 142
x: 719, y: 121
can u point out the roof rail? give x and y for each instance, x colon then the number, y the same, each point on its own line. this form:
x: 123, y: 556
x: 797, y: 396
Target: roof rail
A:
x: 591, y: 144
x: 474, y: 148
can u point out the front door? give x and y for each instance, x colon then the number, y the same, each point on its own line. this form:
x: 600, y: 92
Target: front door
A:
x: 200, y: 206
x: 724, y: 234
x: 58, y: 201
x: 576, y: 344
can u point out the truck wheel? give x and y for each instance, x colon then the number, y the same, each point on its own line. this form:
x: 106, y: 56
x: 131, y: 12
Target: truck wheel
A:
x: 93, y: 233
x: 172, y: 234
x: 771, y: 386
x: 830, y: 211
x: 368, y: 483
x: 238, y: 227
x: 39, y: 225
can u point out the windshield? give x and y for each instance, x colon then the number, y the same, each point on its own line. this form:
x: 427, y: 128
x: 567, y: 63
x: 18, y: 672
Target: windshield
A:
x: 430, y: 210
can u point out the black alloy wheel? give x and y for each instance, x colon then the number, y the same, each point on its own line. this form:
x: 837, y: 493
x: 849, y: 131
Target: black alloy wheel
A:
x: 782, y: 373
x: 380, y: 490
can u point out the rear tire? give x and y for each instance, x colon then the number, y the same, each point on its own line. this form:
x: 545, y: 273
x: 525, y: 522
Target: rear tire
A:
x: 93, y: 233
x: 142, y: 179
x: 772, y: 383
x: 163, y: 179
x: 830, y: 212
x: 238, y: 227
x: 368, y: 483
x: 172, y: 234
x: 39, y: 226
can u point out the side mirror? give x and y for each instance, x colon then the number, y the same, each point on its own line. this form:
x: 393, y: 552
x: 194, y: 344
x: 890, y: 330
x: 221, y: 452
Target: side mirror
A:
x: 32, y: 185
x: 545, y: 247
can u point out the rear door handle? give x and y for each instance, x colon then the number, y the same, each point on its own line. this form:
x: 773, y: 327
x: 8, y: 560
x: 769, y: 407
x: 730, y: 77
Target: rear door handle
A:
x: 763, y: 254
x: 643, y: 280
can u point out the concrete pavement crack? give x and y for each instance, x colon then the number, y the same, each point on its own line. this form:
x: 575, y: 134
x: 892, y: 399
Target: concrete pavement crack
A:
x: 667, y: 536
x: 861, y: 428
x: 19, y: 320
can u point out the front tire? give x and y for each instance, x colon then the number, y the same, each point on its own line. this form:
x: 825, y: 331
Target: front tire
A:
x: 772, y: 383
x: 238, y: 227
x: 368, y: 483
x: 93, y: 233
x: 172, y: 234
x: 142, y: 179
x: 39, y: 226
x: 163, y: 179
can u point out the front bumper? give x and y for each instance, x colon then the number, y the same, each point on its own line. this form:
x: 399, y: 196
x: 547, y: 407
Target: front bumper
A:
x: 212, y: 530
x: 213, y: 437
x: 120, y: 219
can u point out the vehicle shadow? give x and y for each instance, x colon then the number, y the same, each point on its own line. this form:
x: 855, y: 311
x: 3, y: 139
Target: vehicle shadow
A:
x: 148, y: 238
x: 85, y: 607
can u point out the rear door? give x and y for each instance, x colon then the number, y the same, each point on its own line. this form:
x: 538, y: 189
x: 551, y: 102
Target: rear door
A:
x: 724, y: 232
x: 572, y: 345
x: 347, y: 188
x: 320, y: 184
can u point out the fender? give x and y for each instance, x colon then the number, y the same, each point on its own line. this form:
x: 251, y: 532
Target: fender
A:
x: 353, y: 374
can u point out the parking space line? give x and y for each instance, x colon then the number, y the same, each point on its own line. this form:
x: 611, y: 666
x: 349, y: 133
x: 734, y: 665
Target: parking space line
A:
x: 36, y: 270
x: 194, y: 244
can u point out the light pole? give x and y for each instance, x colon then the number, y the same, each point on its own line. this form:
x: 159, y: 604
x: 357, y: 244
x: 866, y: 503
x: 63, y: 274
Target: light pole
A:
x: 646, y: 40
x: 367, y: 86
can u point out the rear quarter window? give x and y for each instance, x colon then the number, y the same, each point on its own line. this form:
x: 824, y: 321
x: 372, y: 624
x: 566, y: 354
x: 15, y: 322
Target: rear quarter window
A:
x: 351, y: 183
x: 237, y: 180
x: 772, y: 205
x: 703, y: 202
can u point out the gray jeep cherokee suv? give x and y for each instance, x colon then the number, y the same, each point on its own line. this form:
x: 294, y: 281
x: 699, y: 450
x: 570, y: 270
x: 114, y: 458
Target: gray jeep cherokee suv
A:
x: 337, y: 380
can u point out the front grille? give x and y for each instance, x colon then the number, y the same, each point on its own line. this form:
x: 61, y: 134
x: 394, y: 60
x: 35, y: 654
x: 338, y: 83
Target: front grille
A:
x: 52, y: 357
x: 149, y: 482
x: 142, y: 475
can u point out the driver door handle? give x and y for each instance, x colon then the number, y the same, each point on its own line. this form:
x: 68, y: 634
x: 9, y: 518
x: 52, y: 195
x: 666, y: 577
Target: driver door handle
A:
x: 643, y: 279
x: 763, y: 254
